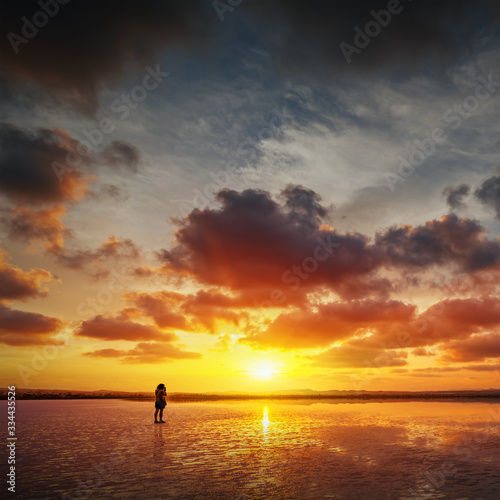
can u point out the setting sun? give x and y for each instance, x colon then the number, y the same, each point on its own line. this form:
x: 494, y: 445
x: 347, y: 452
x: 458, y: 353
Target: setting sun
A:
x: 264, y: 371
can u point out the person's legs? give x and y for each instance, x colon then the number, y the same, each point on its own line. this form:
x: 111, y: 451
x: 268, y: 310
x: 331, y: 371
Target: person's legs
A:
x: 161, y: 415
x: 156, y: 415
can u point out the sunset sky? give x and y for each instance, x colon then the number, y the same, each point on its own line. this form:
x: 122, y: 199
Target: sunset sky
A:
x: 240, y: 195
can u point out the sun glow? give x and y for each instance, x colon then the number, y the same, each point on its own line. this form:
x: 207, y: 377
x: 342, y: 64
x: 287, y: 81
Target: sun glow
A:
x: 264, y: 372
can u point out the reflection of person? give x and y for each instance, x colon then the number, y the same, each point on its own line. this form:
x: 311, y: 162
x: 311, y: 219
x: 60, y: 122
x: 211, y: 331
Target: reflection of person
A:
x: 160, y: 402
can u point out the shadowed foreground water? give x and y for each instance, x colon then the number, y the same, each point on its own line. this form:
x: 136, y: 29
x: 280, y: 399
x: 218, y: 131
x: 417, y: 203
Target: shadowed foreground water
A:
x: 374, y: 450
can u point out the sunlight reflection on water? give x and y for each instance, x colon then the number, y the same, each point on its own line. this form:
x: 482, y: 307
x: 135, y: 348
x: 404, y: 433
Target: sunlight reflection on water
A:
x: 264, y: 450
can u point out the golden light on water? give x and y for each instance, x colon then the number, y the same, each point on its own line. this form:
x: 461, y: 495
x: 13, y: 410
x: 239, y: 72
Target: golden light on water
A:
x: 265, y: 418
x: 265, y: 421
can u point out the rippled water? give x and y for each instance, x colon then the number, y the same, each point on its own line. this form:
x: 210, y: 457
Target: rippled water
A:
x: 374, y: 450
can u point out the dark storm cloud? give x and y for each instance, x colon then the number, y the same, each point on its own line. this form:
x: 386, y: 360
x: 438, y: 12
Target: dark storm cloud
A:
x: 309, y: 34
x: 45, y: 166
x: 448, y: 240
x: 253, y: 246
x: 89, y: 44
x: 304, y: 204
x: 253, y: 242
x: 455, y: 196
x: 26, y: 165
x: 489, y: 193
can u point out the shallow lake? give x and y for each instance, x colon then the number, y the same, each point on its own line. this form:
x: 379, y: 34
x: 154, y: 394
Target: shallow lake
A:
x: 257, y: 449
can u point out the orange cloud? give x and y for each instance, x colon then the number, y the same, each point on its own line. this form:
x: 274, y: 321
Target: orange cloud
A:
x: 255, y: 246
x: 352, y: 356
x: 27, y: 328
x: 162, y: 307
x: 16, y: 284
x: 457, y: 319
x: 188, y: 312
x: 421, y: 351
x: 104, y: 328
x: 144, y: 352
x: 42, y: 228
x: 328, y: 323
x: 475, y: 348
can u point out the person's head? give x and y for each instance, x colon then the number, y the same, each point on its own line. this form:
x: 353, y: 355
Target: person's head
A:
x: 161, y: 386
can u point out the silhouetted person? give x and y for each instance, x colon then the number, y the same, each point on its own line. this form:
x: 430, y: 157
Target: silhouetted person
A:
x: 160, y: 402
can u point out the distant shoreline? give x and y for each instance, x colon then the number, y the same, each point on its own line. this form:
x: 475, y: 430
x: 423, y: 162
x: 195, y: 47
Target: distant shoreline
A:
x: 39, y: 394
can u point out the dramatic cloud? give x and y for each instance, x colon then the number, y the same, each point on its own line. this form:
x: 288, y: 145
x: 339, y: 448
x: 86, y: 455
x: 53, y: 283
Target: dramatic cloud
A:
x: 27, y: 328
x: 41, y: 228
x: 378, y: 325
x: 476, y: 348
x: 104, y: 328
x: 207, y: 307
x: 455, y: 196
x: 144, y: 352
x: 16, y: 284
x: 329, y: 323
x: 189, y: 312
x: 275, y: 254
x: 252, y: 247
x: 44, y: 166
x: 449, y: 240
x: 352, y: 356
x: 306, y: 41
x: 161, y: 306
x: 459, y: 318
x: 27, y: 172
x: 489, y: 193
x: 435, y: 34
x: 117, y: 41
x: 254, y: 244
x: 444, y: 321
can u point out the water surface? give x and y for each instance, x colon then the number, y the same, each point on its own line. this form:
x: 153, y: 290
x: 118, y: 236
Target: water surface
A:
x: 263, y: 450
